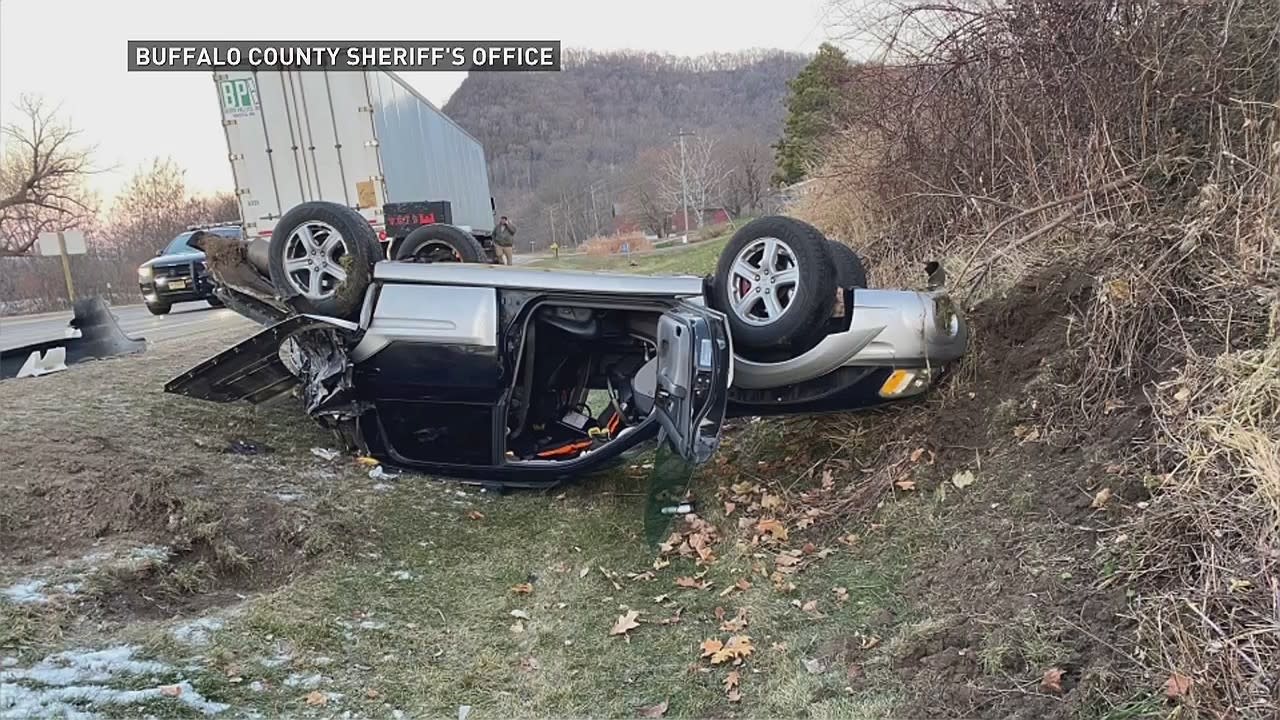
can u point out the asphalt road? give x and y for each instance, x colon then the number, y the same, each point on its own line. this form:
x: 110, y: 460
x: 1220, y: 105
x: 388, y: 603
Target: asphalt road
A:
x: 184, y: 321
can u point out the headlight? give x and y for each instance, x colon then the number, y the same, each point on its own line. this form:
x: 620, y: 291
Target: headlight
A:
x: 144, y: 273
x: 945, y: 316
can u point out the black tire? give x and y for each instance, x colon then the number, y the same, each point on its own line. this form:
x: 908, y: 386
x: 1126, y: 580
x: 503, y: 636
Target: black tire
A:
x: 359, y: 251
x: 850, y: 272
x: 159, y: 308
x: 809, y: 302
x: 214, y: 302
x: 440, y: 243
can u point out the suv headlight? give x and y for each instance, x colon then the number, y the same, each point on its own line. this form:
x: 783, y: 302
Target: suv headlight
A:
x: 144, y: 273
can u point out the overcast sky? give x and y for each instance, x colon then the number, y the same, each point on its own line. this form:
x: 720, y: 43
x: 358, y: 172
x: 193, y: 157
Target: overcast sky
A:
x: 73, y: 53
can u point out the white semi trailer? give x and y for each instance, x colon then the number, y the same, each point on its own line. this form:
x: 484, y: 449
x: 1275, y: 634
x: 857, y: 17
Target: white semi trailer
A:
x: 363, y: 139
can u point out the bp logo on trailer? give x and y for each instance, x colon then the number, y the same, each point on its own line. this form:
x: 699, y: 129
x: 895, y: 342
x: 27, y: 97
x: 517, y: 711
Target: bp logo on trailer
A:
x: 239, y: 97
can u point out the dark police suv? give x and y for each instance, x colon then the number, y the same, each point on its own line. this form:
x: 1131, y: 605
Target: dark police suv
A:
x: 178, y: 273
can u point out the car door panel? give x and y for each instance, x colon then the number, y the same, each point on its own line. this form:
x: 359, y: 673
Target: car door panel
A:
x: 694, y: 370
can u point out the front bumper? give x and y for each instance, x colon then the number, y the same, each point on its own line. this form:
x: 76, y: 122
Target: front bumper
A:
x: 887, y: 329
x: 159, y: 289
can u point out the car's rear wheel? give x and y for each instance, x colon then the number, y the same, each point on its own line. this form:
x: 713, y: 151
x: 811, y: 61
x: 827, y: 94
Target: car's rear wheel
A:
x: 439, y: 243
x: 321, y: 258
x: 214, y: 302
x: 850, y: 270
x: 775, y: 282
x: 159, y: 308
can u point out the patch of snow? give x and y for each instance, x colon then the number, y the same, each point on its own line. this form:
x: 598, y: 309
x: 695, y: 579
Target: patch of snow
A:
x: 377, y: 473
x: 325, y: 453
x: 381, y: 487
x: 402, y: 575
x: 8, y: 662
x: 25, y: 593
x: 153, y: 553
x: 288, y: 497
x: 372, y: 625
x: 70, y: 684
x: 274, y: 662
x: 306, y: 682
x: 197, y: 632
x: 71, y: 588
x: 257, y: 686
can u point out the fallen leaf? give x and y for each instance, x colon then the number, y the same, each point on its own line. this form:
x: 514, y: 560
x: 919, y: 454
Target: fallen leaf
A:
x: 315, y: 698
x: 653, y: 711
x: 372, y: 694
x: 744, y: 584
x: 710, y: 647
x: 808, y: 548
x: 732, y: 680
x: 828, y: 480
x: 810, y: 606
x: 688, y: 582
x: 530, y: 664
x: 1100, y: 500
x: 770, y: 502
x: 734, y: 695
x: 517, y: 626
x: 583, y: 572
x: 475, y: 515
x: 522, y: 588
x: 737, y: 623
x: 737, y: 648
x: 366, y: 460
x: 786, y: 560
x: 842, y: 594
x: 1177, y: 685
x: 520, y: 614
x: 171, y: 691
x: 729, y: 507
x: 916, y: 454
x: 963, y: 479
x: 869, y: 642
x: 814, y: 666
x: 1182, y: 395
x: 905, y: 485
x: 1238, y: 585
x: 773, y: 528
x: 625, y: 623
x: 659, y: 563
x: 1051, y: 681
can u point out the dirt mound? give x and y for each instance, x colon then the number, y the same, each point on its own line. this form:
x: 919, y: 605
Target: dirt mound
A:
x: 1012, y: 587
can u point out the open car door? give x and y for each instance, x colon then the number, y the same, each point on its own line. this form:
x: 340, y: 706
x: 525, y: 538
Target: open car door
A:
x: 694, y: 370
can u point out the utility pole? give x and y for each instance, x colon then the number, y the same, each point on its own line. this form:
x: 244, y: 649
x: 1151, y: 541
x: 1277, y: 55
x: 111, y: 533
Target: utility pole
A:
x: 684, y: 184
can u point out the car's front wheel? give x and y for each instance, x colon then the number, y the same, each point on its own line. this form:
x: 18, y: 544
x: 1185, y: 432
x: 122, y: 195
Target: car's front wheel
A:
x: 159, y: 308
x: 775, y: 281
x: 321, y: 258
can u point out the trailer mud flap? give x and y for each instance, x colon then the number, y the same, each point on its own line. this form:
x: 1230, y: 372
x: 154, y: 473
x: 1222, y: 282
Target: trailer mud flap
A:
x: 305, y: 350
x: 99, y: 337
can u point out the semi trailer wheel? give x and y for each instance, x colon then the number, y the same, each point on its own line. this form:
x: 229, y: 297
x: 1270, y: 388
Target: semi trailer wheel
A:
x: 775, y: 282
x: 321, y: 258
x: 439, y: 243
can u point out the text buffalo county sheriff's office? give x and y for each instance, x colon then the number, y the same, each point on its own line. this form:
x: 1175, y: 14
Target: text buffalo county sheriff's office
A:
x: 322, y: 58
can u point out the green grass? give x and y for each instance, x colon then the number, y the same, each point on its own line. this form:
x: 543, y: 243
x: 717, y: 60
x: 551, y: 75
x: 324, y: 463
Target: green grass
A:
x: 444, y: 637
x: 694, y: 259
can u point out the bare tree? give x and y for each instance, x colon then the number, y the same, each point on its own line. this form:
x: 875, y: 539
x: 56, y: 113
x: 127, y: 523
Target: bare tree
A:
x: 42, y: 172
x: 748, y: 164
x: 701, y: 169
x: 644, y: 199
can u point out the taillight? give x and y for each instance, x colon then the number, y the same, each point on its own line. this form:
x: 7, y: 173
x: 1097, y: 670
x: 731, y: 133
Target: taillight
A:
x: 382, y: 236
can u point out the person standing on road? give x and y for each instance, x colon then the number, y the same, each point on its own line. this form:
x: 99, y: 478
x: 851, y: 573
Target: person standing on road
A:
x: 504, y: 237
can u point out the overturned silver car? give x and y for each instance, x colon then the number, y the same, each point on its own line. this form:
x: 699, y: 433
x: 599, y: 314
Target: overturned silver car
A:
x: 526, y: 376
